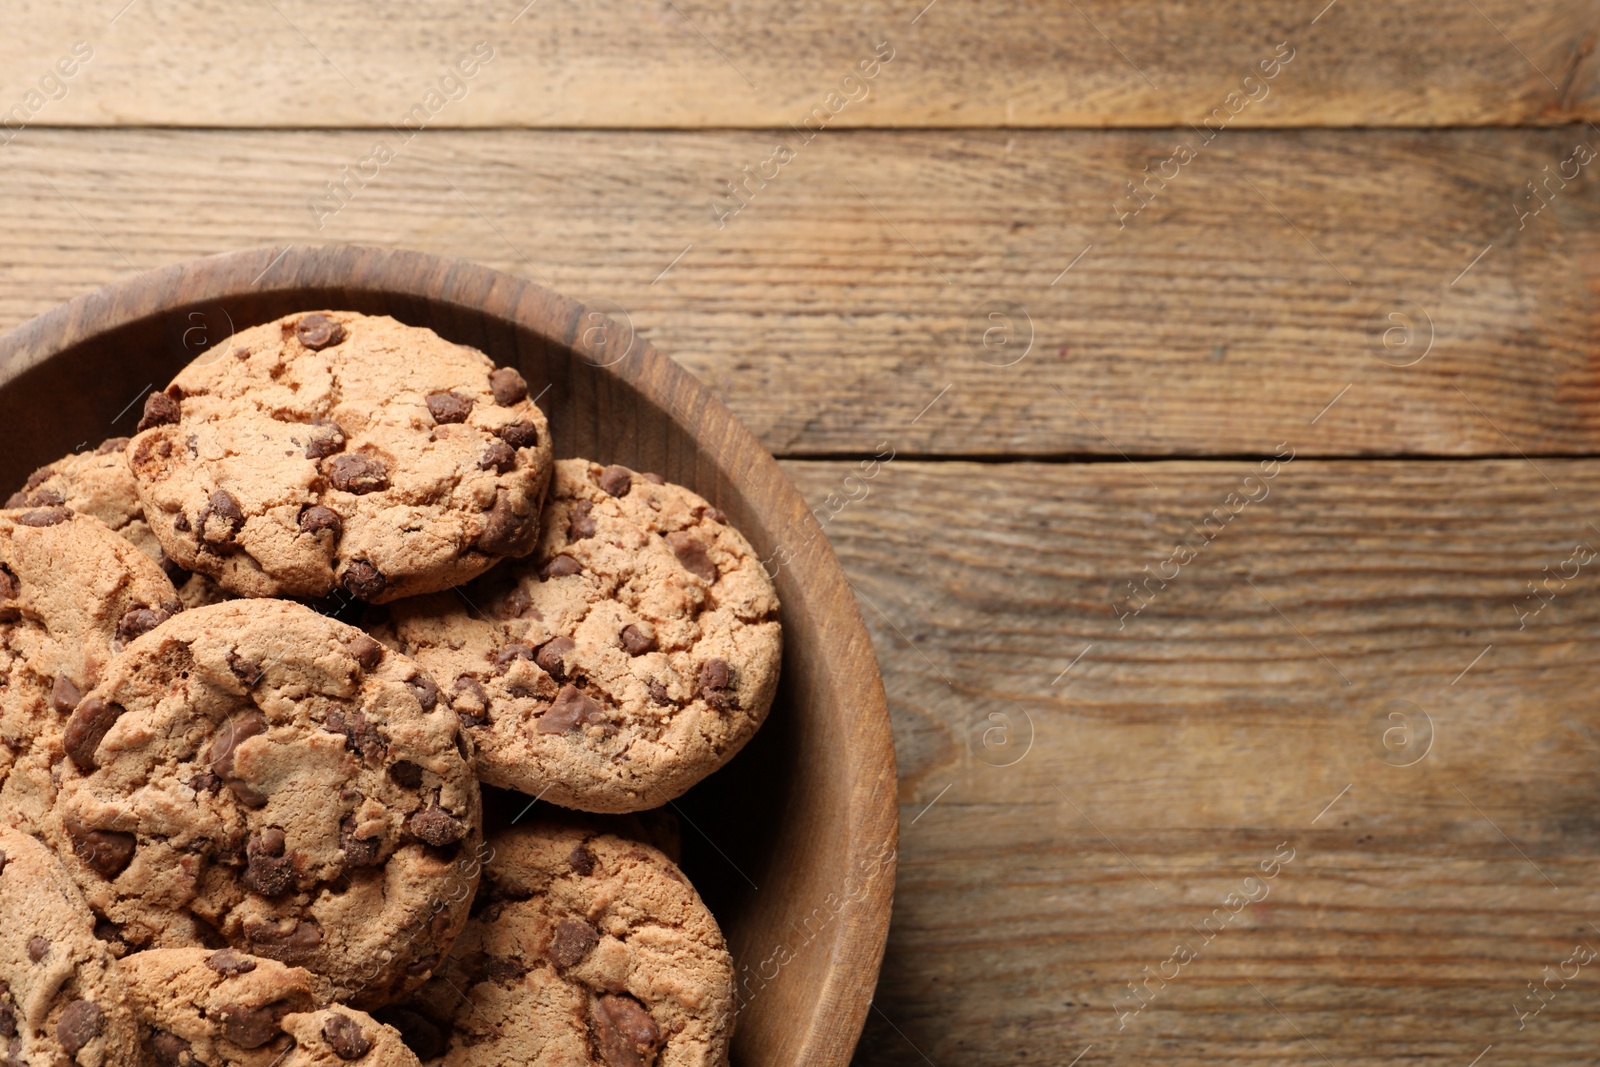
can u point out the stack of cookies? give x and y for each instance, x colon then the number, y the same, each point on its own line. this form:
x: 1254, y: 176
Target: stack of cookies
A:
x: 258, y: 661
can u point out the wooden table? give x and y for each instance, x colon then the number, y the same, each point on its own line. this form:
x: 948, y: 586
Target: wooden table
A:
x: 1230, y: 548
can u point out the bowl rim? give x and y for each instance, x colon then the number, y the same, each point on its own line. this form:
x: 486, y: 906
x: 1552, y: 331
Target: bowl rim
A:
x: 834, y: 1018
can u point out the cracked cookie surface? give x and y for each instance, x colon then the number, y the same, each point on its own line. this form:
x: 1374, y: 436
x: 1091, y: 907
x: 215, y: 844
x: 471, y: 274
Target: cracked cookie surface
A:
x: 334, y: 450
x: 99, y: 483
x: 258, y: 776
x: 584, y: 947
x: 62, y: 999
x: 630, y: 656
x: 72, y: 593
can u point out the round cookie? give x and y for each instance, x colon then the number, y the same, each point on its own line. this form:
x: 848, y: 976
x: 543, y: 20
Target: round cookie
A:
x: 335, y: 450
x: 630, y: 656
x: 62, y: 1000
x: 99, y: 483
x: 220, y: 1008
x: 337, y: 1036
x: 583, y: 947
x: 71, y: 594
x: 255, y: 775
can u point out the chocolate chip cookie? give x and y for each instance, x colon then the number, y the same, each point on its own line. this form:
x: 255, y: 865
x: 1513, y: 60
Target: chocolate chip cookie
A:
x: 217, y: 1007
x: 583, y: 947
x: 62, y: 1000
x: 631, y: 655
x: 71, y: 594
x: 99, y: 483
x: 335, y: 450
x: 258, y: 776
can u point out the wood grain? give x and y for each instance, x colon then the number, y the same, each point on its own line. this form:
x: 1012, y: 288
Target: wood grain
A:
x: 841, y: 302
x: 809, y: 812
x: 1179, y: 752
x: 560, y: 63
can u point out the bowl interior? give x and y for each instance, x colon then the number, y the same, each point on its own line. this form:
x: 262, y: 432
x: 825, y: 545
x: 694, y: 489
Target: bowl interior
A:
x: 791, y: 845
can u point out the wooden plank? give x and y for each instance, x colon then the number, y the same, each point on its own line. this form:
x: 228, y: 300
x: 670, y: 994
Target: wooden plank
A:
x: 847, y: 303
x: 557, y: 63
x: 1241, y: 712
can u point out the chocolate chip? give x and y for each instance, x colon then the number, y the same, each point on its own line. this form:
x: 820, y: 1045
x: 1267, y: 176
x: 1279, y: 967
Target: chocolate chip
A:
x: 508, y: 386
x: 502, y: 528
x: 268, y: 871
x: 658, y: 691
x: 180, y: 522
x: 406, y: 775
x: 139, y: 621
x: 2, y: 862
x: 38, y: 948
x: 519, y: 434
x: 573, y: 940
x: 44, y: 517
x: 352, y: 472
x: 508, y: 655
x: 87, y: 728
x: 364, y: 580
x: 283, y: 944
x: 170, y: 1050
x: 316, y: 518
x: 234, y: 732
x: 426, y: 689
x: 80, y: 1023
x: 570, y: 708
x: 16, y: 500
x: 221, y: 519
x: 653, y: 478
x: 247, y: 672
x: 716, y: 679
x: 159, y: 410
x: 228, y: 963
x: 8, y: 1014
x: 562, y: 566
x: 580, y: 523
x: 437, y: 827
x: 499, y: 456
x: 516, y: 604
x: 65, y: 696
x: 358, y: 851
x: 316, y: 331
x: 616, y: 480
x: 107, y: 852
x: 635, y: 641
x: 692, y: 554
x: 112, y: 444
x: 367, y: 652
x: 327, y: 438
x: 551, y: 654
x: 623, y: 1031
x: 449, y: 407
x: 344, y: 1036
x: 716, y: 515
x: 248, y: 1027
x: 419, y: 1033
x: 205, y: 782
x: 361, y: 735
x: 44, y: 498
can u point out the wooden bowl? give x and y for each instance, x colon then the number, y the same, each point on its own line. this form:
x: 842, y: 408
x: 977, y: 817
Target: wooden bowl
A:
x: 792, y: 845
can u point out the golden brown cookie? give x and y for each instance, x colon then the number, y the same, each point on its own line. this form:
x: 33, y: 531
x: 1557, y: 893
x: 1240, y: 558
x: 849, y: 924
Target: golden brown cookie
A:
x: 336, y: 1036
x: 99, y: 483
x: 71, y: 594
x: 630, y: 656
x: 257, y: 775
x: 583, y: 948
x: 336, y: 450
x: 62, y: 999
x: 220, y: 1008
